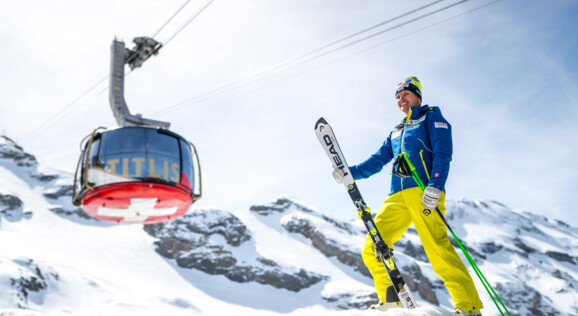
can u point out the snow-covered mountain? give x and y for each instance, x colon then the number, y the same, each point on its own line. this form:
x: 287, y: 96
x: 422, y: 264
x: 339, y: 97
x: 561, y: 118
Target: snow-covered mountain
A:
x: 279, y: 257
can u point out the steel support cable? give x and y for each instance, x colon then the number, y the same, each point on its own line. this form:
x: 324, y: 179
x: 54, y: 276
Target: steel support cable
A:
x: 344, y: 39
x: 60, y: 114
x: 261, y: 75
x: 189, y: 21
x: 170, y: 19
x: 54, y: 118
x: 248, y: 79
x: 194, y: 16
x: 376, y: 45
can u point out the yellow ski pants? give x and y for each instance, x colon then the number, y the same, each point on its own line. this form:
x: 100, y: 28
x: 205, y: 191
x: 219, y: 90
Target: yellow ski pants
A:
x: 395, y: 216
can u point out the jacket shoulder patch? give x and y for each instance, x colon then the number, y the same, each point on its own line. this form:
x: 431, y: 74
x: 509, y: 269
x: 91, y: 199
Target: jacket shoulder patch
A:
x: 441, y: 125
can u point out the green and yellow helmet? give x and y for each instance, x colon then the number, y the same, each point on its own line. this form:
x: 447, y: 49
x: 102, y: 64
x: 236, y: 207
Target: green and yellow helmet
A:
x: 410, y: 83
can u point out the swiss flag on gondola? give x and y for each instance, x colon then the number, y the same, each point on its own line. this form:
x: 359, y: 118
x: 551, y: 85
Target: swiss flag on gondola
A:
x: 138, y: 202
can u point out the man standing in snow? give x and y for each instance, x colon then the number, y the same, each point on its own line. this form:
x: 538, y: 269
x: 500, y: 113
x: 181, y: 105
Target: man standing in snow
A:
x: 425, y: 136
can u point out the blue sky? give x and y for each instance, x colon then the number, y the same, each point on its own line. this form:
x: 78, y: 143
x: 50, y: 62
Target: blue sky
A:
x: 504, y: 76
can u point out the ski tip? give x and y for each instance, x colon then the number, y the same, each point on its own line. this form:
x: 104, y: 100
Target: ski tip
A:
x: 321, y: 120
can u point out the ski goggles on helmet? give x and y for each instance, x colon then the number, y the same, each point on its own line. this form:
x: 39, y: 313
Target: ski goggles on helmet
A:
x: 412, y: 84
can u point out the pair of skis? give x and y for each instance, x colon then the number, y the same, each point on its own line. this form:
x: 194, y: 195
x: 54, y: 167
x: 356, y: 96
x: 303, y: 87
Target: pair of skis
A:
x: 329, y: 143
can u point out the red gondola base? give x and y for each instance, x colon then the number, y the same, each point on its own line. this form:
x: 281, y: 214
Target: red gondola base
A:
x: 136, y: 202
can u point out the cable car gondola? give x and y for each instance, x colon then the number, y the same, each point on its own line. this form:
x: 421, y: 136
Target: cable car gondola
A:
x: 140, y: 172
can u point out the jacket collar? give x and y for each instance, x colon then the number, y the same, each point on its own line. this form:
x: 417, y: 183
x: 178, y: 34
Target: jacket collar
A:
x: 417, y: 112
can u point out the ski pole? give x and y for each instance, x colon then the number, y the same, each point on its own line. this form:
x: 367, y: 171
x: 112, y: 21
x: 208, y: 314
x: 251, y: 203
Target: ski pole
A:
x: 405, y: 165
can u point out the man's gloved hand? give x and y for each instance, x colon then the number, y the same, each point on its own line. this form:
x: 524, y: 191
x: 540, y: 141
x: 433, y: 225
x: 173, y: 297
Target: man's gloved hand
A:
x: 431, y: 196
x: 338, y: 175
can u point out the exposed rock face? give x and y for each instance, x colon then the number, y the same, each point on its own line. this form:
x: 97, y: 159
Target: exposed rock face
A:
x: 490, y: 247
x: 526, y: 239
x: 32, y: 282
x: 527, y: 300
x: 417, y: 282
x: 564, y: 257
x: 353, y: 300
x: 10, y: 207
x: 333, y: 238
x: 207, y: 240
x: 57, y: 188
x: 327, y: 246
x: 305, y: 222
x: 415, y: 251
x: 283, y: 204
x: 61, y: 195
x: 536, y: 257
x: 59, y: 191
x: 12, y: 151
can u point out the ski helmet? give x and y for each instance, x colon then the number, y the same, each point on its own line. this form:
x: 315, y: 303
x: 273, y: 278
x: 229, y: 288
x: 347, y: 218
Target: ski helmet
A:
x: 410, y: 83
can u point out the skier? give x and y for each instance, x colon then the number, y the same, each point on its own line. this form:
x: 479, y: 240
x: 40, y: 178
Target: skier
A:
x: 425, y: 136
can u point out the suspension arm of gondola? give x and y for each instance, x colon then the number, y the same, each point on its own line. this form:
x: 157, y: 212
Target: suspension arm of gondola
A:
x: 197, y: 196
x: 76, y: 201
x: 145, y: 47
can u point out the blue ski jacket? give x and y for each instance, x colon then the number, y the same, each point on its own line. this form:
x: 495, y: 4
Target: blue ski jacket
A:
x: 426, y: 136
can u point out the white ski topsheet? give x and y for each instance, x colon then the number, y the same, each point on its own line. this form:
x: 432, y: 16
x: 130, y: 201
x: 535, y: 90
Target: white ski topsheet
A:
x: 327, y: 139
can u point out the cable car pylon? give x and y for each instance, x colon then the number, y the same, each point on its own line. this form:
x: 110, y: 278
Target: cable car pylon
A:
x: 139, y: 172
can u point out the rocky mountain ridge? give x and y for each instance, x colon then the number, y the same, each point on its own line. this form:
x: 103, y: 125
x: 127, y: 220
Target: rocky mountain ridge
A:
x: 284, y: 246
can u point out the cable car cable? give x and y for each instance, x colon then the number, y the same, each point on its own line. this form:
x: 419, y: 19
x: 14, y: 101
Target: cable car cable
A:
x: 197, y: 13
x: 263, y: 73
x: 61, y: 112
x: 241, y: 82
x: 349, y: 36
x: 248, y: 79
x: 373, y: 35
x: 191, y: 18
x: 66, y: 107
x: 374, y: 46
x: 170, y: 19
x: 59, y: 115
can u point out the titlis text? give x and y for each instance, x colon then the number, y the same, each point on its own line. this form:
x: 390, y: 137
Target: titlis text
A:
x: 336, y: 158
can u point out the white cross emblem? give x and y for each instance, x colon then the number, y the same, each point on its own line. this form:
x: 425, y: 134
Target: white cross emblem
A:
x: 137, y: 211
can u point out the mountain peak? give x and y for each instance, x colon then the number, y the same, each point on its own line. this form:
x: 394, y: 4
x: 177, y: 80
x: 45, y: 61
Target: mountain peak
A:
x: 9, y: 149
x: 281, y: 256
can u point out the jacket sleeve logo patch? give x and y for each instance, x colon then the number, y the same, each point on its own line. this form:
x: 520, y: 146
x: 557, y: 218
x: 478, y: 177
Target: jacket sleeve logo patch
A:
x: 441, y: 125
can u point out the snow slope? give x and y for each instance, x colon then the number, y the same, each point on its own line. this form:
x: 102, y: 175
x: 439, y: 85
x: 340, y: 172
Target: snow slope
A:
x: 283, y: 257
